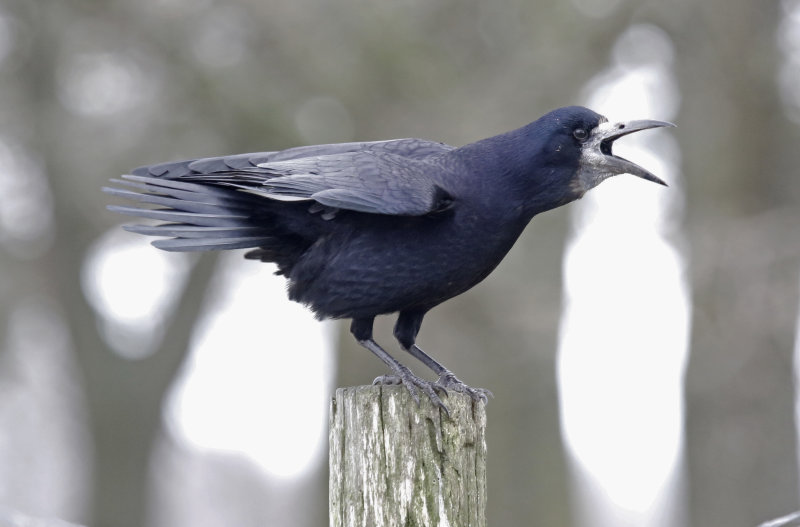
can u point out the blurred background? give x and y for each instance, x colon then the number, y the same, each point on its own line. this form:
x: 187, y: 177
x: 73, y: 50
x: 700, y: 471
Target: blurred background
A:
x: 641, y: 343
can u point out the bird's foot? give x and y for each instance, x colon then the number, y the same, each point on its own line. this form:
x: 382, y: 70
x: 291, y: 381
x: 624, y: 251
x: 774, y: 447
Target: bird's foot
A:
x: 447, y: 381
x: 413, y: 384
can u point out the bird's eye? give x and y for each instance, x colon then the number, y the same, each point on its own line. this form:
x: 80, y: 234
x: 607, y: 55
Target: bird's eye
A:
x: 580, y: 134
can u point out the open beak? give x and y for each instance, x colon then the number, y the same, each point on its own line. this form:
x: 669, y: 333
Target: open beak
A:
x: 598, y: 148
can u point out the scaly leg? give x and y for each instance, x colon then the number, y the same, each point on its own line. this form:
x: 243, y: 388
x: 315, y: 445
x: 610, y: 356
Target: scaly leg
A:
x: 362, y: 330
x: 405, y: 331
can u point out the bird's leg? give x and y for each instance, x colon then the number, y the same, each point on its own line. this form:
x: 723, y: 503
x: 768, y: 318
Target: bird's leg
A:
x: 405, y: 331
x: 362, y: 330
x: 405, y: 376
x: 447, y: 379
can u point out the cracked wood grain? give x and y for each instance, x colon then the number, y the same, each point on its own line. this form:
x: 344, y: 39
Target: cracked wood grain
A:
x: 395, y: 464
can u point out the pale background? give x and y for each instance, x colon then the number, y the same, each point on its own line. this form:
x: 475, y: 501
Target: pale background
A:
x: 640, y: 343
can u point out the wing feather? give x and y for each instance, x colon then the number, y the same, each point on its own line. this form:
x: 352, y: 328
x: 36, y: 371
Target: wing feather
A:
x: 397, y: 177
x: 361, y: 181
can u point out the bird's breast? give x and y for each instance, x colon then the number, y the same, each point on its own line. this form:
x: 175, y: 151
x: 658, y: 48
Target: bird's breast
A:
x: 396, y: 263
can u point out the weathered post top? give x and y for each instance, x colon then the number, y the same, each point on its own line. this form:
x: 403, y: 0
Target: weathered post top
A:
x: 393, y: 463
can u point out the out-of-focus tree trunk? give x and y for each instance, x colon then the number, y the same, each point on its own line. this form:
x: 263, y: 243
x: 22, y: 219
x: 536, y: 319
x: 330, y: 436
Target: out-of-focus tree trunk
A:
x: 743, y: 226
x: 124, y: 397
x: 525, y: 321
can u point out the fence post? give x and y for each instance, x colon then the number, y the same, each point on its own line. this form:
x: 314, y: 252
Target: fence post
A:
x: 395, y: 464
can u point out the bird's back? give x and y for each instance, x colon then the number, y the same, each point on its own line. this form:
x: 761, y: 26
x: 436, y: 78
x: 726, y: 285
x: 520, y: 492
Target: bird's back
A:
x: 410, y: 148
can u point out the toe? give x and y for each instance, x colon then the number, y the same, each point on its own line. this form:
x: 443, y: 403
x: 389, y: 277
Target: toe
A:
x: 387, y: 380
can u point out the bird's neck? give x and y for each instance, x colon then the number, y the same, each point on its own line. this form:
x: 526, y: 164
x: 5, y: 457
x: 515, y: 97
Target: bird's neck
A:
x: 523, y: 175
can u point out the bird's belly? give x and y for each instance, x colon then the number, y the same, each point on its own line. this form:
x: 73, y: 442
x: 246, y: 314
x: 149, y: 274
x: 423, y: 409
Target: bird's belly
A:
x: 373, y: 273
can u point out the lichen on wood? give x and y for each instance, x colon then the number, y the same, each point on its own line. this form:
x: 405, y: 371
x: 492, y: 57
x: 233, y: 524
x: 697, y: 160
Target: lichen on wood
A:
x: 393, y: 463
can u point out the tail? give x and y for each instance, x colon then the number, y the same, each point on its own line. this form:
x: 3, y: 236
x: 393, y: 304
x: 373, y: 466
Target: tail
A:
x: 199, y: 217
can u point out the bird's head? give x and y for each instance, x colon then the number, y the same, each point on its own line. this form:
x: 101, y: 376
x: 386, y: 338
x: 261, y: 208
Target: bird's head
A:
x: 586, y: 138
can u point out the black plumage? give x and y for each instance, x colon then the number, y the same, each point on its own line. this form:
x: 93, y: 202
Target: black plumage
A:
x: 371, y: 228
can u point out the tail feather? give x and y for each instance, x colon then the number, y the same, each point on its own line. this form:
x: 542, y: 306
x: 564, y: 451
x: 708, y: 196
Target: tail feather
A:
x: 183, y: 204
x: 207, y: 244
x: 208, y: 194
x: 179, y: 230
x: 208, y: 220
x: 166, y: 186
x: 200, y: 217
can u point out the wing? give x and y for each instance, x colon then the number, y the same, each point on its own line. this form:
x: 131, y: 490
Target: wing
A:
x: 219, y: 202
x: 408, y: 148
x: 360, y: 181
x: 389, y: 177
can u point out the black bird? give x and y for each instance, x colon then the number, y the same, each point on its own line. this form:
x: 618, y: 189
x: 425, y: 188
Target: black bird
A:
x: 365, y: 229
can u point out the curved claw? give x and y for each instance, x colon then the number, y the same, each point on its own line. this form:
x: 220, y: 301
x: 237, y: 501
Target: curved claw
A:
x: 387, y: 380
x: 414, y: 383
x: 448, y: 381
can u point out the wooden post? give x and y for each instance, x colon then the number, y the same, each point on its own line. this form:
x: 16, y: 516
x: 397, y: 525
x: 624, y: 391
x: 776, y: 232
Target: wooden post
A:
x: 395, y: 464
